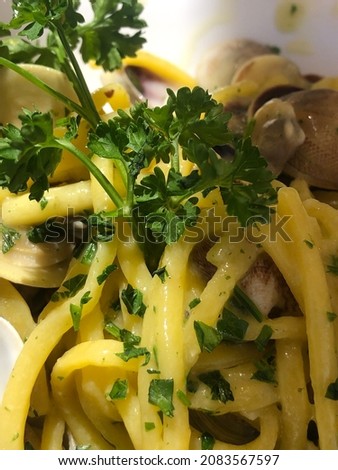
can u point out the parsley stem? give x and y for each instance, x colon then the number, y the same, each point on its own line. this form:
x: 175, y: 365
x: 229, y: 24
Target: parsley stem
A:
x: 94, y: 170
x: 80, y: 85
x: 175, y: 160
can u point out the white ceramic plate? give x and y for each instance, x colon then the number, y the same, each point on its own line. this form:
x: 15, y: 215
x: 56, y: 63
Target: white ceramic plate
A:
x: 182, y: 30
x: 305, y: 30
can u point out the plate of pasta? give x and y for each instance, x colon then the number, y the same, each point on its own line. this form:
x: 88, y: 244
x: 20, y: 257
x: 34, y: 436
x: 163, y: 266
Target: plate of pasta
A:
x: 169, y: 250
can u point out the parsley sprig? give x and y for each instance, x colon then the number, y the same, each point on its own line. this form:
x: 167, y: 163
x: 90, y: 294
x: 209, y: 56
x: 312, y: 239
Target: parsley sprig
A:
x: 159, y: 205
x: 101, y: 39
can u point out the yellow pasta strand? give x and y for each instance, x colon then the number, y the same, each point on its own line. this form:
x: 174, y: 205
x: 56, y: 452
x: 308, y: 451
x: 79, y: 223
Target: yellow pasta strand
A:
x: 300, y: 262
x: 37, y: 348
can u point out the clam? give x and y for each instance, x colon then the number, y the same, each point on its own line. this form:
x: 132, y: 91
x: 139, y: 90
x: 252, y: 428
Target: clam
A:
x: 10, y: 347
x: 277, y: 133
x: 28, y: 263
x: 30, y: 96
x: 36, y: 264
x: 297, y: 134
x: 219, y: 64
x: 270, y: 70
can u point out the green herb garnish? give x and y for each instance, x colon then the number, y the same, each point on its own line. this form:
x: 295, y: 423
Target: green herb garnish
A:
x: 149, y: 426
x: 194, y: 302
x: 332, y: 391
x: 231, y: 327
x: 108, y: 270
x: 159, y: 207
x: 76, y: 310
x: 133, y: 300
x: 207, y: 336
x: 207, y: 441
x: 332, y: 268
x: 219, y: 386
x: 161, y: 394
x: 121, y: 334
x: 9, y: 237
x: 131, y: 352
x: 119, y: 389
x: 244, y: 302
x: 331, y: 316
x: 266, y: 370
x: 70, y: 287
x: 263, y: 338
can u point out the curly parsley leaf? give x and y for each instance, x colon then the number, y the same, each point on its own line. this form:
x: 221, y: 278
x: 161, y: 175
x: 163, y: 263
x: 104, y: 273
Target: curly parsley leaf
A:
x: 103, y: 39
x: 188, y: 126
x: 30, y: 152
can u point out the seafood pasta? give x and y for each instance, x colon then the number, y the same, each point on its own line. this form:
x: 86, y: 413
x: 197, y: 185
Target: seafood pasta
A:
x: 171, y: 292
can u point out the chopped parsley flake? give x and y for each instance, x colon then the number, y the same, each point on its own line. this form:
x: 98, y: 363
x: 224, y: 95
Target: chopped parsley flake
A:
x: 266, y: 370
x: 9, y: 237
x: 119, y: 389
x: 263, y: 338
x: 242, y: 301
x: 332, y: 391
x: 207, y: 336
x: 207, y: 441
x: 133, y: 300
x: 104, y: 275
x: 149, y: 426
x: 162, y: 273
x: 183, y: 398
x: 219, y: 386
x: 231, y: 327
x: 122, y: 334
x: 161, y: 394
x: 131, y: 352
x: 332, y: 268
x: 194, y: 303
x: 309, y: 243
x: 76, y: 310
x: 331, y: 316
x: 71, y: 287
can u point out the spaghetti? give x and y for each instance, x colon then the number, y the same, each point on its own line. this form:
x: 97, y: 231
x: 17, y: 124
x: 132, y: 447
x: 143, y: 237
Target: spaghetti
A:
x: 195, y: 367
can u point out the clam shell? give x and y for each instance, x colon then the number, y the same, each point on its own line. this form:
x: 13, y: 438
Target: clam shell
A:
x: 316, y: 160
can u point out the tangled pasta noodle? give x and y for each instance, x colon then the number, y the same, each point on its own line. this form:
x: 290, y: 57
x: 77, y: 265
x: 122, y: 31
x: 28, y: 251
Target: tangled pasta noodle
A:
x: 195, y: 367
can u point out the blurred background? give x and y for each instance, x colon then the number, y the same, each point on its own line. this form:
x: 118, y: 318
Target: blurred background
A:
x: 183, y: 30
